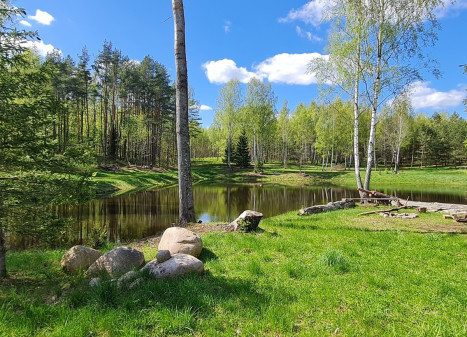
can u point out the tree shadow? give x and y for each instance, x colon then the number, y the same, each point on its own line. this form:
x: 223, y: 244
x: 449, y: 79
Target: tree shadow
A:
x: 207, y: 255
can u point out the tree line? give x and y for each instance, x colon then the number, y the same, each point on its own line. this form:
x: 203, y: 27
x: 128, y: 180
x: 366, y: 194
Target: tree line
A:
x: 117, y: 108
x: 321, y: 133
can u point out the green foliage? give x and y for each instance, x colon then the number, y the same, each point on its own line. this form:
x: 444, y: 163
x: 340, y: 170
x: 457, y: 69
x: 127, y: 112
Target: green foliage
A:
x: 242, y: 153
x: 34, y: 171
x: 98, y: 238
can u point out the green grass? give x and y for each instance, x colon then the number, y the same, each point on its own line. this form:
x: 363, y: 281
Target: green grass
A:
x: 214, y: 171
x: 326, y: 274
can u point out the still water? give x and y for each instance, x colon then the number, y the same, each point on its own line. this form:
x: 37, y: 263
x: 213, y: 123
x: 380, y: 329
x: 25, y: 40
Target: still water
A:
x: 137, y: 215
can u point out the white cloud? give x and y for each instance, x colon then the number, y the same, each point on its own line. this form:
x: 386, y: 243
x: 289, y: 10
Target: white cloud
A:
x: 227, y: 26
x: 425, y: 97
x: 311, y: 13
x: 42, y: 17
x: 308, y: 35
x: 288, y: 68
x: 222, y: 71
x: 203, y: 107
x: 42, y: 48
x: 25, y: 23
x: 282, y: 68
x: 451, y: 7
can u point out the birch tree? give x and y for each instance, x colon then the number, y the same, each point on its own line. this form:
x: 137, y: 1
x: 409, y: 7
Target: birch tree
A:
x: 185, y: 190
x: 229, y: 103
x: 376, y: 53
x: 284, y: 129
x: 259, y: 110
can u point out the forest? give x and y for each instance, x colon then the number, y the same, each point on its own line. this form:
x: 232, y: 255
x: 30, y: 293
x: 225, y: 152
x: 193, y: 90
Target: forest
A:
x: 91, y: 148
x: 320, y: 133
x: 115, y: 110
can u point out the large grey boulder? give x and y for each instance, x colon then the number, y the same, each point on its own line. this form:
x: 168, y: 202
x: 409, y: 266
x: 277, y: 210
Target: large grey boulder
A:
x: 79, y: 258
x: 247, y: 221
x: 117, y: 262
x: 177, y: 265
x: 180, y: 240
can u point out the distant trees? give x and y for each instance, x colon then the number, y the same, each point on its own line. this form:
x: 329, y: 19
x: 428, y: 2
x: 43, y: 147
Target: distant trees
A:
x: 322, y: 134
x: 259, y: 118
x: 229, y: 103
x: 241, y: 153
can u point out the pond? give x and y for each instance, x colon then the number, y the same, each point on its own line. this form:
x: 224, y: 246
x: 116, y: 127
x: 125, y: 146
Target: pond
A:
x: 137, y: 215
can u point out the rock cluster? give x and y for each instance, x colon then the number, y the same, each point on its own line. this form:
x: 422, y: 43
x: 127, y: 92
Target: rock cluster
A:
x: 177, y: 256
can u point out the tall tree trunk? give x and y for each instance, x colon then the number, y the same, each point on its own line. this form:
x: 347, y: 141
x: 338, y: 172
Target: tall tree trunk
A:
x: 229, y: 149
x: 396, y: 162
x: 185, y: 190
x: 356, y: 113
x: 376, y: 91
x: 355, y: 129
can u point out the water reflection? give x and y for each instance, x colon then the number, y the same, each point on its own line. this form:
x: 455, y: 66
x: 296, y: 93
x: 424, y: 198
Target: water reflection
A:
x: 138, y: 215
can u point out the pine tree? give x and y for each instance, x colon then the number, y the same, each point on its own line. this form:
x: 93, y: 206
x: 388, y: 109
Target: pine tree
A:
x: 242, y: 153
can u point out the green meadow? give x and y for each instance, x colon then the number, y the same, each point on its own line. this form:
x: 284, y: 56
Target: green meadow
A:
x: 212, y: 170
x: 323, y: 275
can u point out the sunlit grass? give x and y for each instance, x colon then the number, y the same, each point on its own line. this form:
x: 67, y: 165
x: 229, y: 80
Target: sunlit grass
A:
x: 212, y: 170
x: 304, y: 276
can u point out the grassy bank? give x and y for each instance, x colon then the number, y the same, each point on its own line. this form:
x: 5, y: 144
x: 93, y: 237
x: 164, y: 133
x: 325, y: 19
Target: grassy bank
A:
x: 328, y: 274
x: 214, y: 171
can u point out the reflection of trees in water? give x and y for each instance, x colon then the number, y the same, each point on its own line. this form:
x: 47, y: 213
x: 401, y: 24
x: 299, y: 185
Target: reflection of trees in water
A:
x: 137, y: 215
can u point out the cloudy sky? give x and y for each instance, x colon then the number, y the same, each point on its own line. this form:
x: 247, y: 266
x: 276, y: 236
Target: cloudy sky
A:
x: 269, y: 40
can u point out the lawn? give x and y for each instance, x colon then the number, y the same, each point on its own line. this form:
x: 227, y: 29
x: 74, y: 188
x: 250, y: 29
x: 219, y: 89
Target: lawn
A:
x: 211, y: 170
x: 322, y: 275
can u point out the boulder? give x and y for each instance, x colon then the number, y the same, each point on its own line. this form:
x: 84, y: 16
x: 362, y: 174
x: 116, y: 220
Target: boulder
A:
x: 117, y: 262
x: 177, y: 265
x: 180, y: 240
x: 79, y: 258
x: 247, y: 221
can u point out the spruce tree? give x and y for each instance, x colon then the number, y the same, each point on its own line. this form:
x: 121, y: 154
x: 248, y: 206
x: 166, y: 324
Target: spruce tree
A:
x: 242, y: 153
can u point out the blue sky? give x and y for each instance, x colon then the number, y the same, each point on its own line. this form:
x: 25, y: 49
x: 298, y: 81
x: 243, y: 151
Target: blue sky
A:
x: 271, y: 40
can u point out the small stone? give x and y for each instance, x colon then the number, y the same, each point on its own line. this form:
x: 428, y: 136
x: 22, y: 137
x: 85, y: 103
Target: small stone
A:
x: 95, y: 282
x: 163, y: 255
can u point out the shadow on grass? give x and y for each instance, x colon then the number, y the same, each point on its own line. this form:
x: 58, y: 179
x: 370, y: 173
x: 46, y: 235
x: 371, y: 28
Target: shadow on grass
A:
x: 192, y: 293
x: 207, y: 255
x: 327, y: 175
